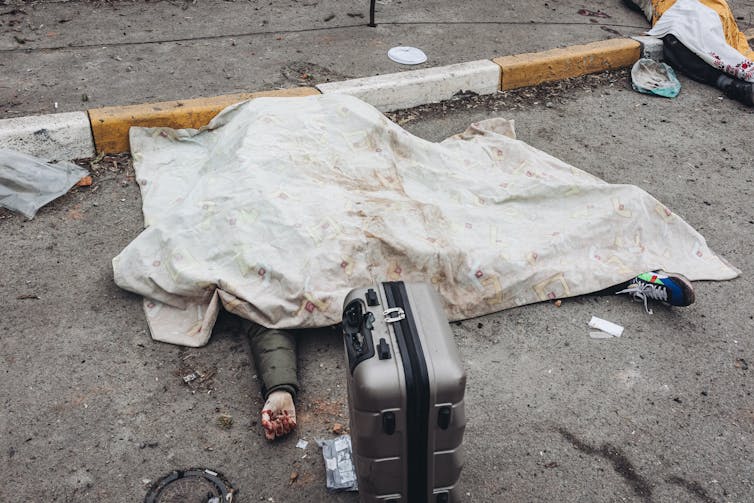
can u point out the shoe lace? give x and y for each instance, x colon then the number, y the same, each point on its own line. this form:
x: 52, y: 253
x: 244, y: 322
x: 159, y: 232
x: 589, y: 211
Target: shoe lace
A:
x: 643, y: 291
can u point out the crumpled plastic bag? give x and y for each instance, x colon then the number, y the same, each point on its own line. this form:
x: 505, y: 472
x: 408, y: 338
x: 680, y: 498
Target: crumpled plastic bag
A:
x: 652, y: 77
x: 27, y: 183
x: 339, y: 467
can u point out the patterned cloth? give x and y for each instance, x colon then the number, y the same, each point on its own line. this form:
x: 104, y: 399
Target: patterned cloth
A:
x: 708, y: 28
x: 282, y: 205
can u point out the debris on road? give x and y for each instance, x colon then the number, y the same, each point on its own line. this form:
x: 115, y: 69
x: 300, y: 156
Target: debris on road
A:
x: 27, y: 183
x: 555, y: 93
x: 27, y: 297
x: 407, y: 55
x: 190, y: 377
x: 193, y: 484
x: 225, y: 421
x: 610, y: 30
x: 593, y: 13
x: 606, y: 329
x: 302, y: 444
x: 195, y: 378
x: 294, y: 477
x: 742, y: 364
x: 85, y: 182
x: 652, y: 77
x: 339, y: 467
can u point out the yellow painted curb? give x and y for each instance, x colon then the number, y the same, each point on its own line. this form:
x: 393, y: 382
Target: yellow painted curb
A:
x: 524, y: 70
x: 110, y: 125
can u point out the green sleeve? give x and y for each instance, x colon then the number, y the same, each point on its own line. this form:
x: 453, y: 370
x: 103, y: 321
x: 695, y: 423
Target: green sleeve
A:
x: 274, y: 354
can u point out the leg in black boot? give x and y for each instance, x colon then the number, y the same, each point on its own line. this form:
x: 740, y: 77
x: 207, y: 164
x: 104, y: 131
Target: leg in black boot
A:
x: 736, y: 89
x: 691, y: 65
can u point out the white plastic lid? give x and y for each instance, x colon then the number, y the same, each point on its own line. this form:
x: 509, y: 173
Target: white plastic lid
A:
x: 407, y: 55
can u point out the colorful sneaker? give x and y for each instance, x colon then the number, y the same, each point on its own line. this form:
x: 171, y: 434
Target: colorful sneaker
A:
x: 672, y: 289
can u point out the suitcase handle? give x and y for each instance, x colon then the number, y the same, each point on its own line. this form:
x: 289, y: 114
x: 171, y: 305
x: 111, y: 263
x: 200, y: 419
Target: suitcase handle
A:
x: 357, y: 333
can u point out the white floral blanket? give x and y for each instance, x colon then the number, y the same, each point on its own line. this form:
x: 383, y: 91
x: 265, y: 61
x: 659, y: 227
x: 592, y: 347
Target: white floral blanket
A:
x: 282, y: 205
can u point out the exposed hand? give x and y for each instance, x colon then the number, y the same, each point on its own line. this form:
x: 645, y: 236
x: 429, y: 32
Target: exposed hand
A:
x: 278, y: 415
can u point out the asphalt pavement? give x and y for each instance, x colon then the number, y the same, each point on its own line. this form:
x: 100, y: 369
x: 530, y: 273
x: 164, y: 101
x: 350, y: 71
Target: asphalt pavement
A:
x: 93, y: 410
x: 85, y: 54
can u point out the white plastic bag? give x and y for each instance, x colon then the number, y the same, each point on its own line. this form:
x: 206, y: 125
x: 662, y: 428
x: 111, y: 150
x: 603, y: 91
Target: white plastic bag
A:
x: 28, y: 183
x: 651, y: 77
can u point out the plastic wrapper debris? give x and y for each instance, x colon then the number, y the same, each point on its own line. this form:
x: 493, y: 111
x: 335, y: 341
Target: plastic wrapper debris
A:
x: 651, y: 77
x: 341, y: 472
x: 28, y: 183
x: 608, y: 327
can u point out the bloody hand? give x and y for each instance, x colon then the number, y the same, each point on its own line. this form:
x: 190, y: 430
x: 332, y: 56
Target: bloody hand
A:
x: 278, y: 415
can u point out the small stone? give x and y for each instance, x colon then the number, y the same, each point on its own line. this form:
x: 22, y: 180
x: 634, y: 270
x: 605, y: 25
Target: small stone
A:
x: 558, y: 303
x: 294, y: 477
x: 337, y: 428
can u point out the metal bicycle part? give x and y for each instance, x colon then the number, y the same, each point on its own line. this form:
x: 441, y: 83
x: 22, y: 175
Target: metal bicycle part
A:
x: 198, y: 485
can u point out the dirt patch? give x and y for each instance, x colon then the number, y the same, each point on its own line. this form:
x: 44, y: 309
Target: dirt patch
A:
x: 309, y: 74
x: 322, y: 412
x: 193, y: 373
x: 545, y: 95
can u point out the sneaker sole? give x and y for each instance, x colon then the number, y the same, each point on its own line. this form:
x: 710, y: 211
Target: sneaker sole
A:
x: 686, y: 287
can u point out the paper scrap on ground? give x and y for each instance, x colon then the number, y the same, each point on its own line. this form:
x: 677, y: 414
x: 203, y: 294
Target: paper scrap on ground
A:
x: 607, y: 327
x: 281, y: 206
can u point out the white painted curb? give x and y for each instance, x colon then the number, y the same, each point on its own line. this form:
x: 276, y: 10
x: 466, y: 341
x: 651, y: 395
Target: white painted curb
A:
x: 396, y: 91
x: 51, y: 137
x: 651, y: 47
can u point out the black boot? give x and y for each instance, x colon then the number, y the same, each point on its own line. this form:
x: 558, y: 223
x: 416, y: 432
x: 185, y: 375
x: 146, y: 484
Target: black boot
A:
x: 682, y: 59
x: 738, y: 90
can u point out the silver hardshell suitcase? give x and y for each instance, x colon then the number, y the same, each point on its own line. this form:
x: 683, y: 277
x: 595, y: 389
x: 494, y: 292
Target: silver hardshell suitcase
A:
x: 405, y: 393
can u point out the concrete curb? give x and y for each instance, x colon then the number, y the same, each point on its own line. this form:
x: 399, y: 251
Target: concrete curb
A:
x: 105, y: 130
x: 54, y: 137
x: 395, y: 91
x: 525, y: 70
x: 110, y: 125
